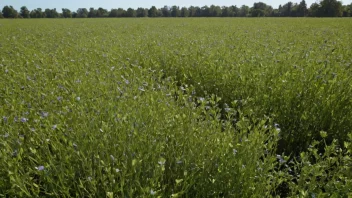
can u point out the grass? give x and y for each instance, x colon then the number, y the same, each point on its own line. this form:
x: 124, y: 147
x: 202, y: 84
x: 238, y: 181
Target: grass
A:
x: 175, y: 107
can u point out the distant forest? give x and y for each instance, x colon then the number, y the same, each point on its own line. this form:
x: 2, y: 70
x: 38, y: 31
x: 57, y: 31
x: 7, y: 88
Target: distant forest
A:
x: 325, y: 8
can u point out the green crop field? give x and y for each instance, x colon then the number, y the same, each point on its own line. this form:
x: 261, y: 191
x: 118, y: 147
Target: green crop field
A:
x: 176, y: 107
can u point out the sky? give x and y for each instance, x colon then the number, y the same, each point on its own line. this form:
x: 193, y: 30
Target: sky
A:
x: 73, y: 5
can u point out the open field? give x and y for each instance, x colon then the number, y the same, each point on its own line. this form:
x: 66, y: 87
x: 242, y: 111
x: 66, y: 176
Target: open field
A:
x: 176, y: 107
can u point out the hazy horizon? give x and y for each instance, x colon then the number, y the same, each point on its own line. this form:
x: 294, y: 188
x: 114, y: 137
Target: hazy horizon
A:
x: 73, y: 5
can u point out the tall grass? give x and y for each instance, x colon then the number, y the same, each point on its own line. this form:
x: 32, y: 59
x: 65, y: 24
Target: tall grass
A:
x: 175, y: 107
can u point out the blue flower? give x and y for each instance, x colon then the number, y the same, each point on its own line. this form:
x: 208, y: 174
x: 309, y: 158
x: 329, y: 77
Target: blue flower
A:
x: 234, y: 151
x: 40, y: 168
x: 23, y: 120
x: 281, y: 160
x: 44, y: 114
x: 152, y: 192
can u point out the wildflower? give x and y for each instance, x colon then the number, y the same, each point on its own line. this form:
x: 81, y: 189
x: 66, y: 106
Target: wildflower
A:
x: 277, y: 128
x: 234, y: 151
x: 40, y: 168
x: 59, y: 98
x: 6, y: 135
x: 201, y: 99
x: 78, y: 98
x: 127, y: 82
x: 14, y: 154
x: 117, y: 170
x: 161, y: 163
x: 152, y: 192
x: 44, y: 114
x: 5, y: 118
x: 141, y: 89
x: 24, y: 120
x: 54, y: 127
x: 89, y: 178
x: 281, y: 160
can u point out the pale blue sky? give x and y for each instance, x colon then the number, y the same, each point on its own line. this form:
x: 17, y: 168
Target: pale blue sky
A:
x: 108, y: 4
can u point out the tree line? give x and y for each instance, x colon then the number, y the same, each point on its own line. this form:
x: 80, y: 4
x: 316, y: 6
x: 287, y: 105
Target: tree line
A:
x: 325, y: 8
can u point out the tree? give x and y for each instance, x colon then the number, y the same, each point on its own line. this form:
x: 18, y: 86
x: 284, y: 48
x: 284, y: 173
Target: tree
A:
x: 153, y: 12
x: 302, y: 10
x: 184, y: 12
x: 9, y: 12
x: 225, y: 11
x: 192, y: 11
x: 131, y: 13
x: 204, y: 11
x: 24, y: 12
x: 214, y: 11
x: 175, y: 11
x: 114, y: 13
x: 260, y: 9
x: 234, y: 11
x: 82, y: 13
x: 1, y: 16
x: 120, y: 12
x: 141, y: 12
x: 66, y: 13
x: 331, y: 8
x: 287, y: 9
x: 36, y: 13
x: 166, y: 12
x: 92, y: 13
x: 51, y: 13
x: 315, y: 10
x: 244, y: 11
x: 101, y: 12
